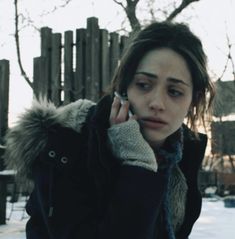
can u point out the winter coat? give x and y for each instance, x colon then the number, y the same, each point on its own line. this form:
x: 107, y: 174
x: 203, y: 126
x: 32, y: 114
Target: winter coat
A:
x: 81, y: 190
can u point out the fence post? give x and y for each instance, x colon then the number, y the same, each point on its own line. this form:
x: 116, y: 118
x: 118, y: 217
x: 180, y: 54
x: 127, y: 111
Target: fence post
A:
x: 104, y: 60
x: 68, y: 67
x: 40, y: 80
x: 46, y: 38
x: 92, y: 82
x: 56, y: 69
x: 4, y: 96
x: 114, y: 52
x: 79, y: 81
x: 123, y: 44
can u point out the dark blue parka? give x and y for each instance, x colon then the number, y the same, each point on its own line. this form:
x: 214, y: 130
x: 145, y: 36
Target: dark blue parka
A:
x: 81, y: 191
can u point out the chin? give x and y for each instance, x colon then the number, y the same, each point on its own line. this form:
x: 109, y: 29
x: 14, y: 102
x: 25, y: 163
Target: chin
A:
x: 155, y: 141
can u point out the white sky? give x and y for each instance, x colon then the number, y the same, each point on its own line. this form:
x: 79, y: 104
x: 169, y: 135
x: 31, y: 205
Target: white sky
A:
x: 211, y: 20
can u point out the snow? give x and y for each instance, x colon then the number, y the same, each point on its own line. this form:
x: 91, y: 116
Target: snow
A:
x: 16, y: 220
x: 215, y: 222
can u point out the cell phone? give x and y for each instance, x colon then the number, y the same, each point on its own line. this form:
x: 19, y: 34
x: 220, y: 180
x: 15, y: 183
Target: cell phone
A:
x: 122, y: 99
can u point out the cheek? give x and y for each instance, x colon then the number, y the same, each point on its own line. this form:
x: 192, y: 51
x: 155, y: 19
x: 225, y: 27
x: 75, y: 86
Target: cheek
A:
x: 185, y: 111
x: 132, y: 99
x: 181, y: 110
x: 134, y: 107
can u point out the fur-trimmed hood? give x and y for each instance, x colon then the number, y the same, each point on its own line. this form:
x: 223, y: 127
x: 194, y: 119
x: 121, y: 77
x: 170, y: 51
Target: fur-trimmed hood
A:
x: 29, y: 136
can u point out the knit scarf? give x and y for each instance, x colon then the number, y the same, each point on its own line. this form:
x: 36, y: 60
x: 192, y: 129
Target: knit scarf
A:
x: 170, y: 154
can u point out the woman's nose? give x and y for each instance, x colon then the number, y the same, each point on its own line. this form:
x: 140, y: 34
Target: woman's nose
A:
x: 157, y: 102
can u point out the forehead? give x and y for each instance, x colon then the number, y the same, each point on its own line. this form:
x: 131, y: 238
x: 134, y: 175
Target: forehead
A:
x: 165, y: 63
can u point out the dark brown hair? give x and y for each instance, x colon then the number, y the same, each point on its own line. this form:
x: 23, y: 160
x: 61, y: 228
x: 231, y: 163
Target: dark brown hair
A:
x: 178, y: 37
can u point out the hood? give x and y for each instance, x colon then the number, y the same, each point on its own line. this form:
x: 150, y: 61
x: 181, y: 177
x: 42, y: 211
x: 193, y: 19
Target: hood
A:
x: 29, y: 136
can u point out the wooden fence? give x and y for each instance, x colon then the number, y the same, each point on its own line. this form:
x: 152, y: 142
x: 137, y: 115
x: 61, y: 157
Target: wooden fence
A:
x: 70, y: 69
x: 4, y: 97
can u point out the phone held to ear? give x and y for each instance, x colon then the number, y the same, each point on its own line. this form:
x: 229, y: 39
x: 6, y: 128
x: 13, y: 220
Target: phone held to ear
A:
x: 122, y: 99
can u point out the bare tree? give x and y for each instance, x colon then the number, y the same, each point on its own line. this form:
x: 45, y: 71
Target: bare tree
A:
x: 180, y: 8
x: 17, y: 41
x: 131, y: 6
x: 130, y: 10
x: 55, y: 8
x: 17, y: 36
x: 229, y: 59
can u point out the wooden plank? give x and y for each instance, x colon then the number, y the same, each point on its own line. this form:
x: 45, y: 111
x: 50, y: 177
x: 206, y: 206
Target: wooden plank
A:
x: 56, y: 69
x: 4, y: 96
x: 40, y: 83
x: 46, y: 34
x: 46, y: 41
x: 114, y: 52
x: 92, y: 83
x: 68, y: 67
x: 123, y: 44
x: 79, y: 81
x: 104, y: 60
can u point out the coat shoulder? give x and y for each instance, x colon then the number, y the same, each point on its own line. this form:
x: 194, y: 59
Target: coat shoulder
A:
x: 29, y: 136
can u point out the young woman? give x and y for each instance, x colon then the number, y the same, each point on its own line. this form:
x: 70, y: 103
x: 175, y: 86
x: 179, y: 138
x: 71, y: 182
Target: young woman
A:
x: 121, y: 168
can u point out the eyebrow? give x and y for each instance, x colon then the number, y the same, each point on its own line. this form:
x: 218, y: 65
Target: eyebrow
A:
x: 171, y: 79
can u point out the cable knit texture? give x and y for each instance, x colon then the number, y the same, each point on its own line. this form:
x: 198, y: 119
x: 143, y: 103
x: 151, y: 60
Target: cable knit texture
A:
x: 130, y: 147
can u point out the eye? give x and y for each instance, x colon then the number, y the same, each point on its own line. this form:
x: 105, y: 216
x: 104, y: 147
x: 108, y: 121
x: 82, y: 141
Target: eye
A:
x: 175, y: 92
x: 142, y: 85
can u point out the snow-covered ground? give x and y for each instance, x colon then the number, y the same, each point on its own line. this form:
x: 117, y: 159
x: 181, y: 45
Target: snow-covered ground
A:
x: 215, y: 222
x: 16, y: 220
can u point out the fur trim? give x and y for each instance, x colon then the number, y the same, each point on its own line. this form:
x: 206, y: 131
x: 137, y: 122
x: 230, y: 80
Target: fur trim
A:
x: 29, y: 137
x: 178, y: 194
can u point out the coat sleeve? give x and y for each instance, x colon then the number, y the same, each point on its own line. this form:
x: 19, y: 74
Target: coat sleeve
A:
x: 63, y: 202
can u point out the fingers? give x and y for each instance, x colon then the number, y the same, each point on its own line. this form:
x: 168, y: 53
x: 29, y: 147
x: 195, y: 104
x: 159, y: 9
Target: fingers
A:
x: 119, y: 112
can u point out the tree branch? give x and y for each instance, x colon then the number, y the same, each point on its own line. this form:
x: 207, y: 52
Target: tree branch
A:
x: 119, y: 3
x: 56, y: 8
x: 27, y: 22
x: 151, y: 10
x: 130, y: 10
x: 179, y: 9
x: 17, y: 41
x: 229, y: 58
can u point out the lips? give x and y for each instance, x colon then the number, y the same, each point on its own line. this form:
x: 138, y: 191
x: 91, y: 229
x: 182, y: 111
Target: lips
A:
x: 152, y: 122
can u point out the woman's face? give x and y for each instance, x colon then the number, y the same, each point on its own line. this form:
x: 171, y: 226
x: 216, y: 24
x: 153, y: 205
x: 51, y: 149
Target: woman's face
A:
x: 160, y: 94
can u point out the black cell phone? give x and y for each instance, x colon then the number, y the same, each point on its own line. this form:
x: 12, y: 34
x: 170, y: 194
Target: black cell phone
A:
x: 122, y: 99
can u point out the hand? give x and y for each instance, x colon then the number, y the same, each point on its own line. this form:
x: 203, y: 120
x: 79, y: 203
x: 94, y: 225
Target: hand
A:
x: 126, y: 141
x: 119, y: 112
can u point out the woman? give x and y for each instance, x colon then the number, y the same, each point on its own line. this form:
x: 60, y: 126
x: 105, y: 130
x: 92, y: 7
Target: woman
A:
x: 100, y: 172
